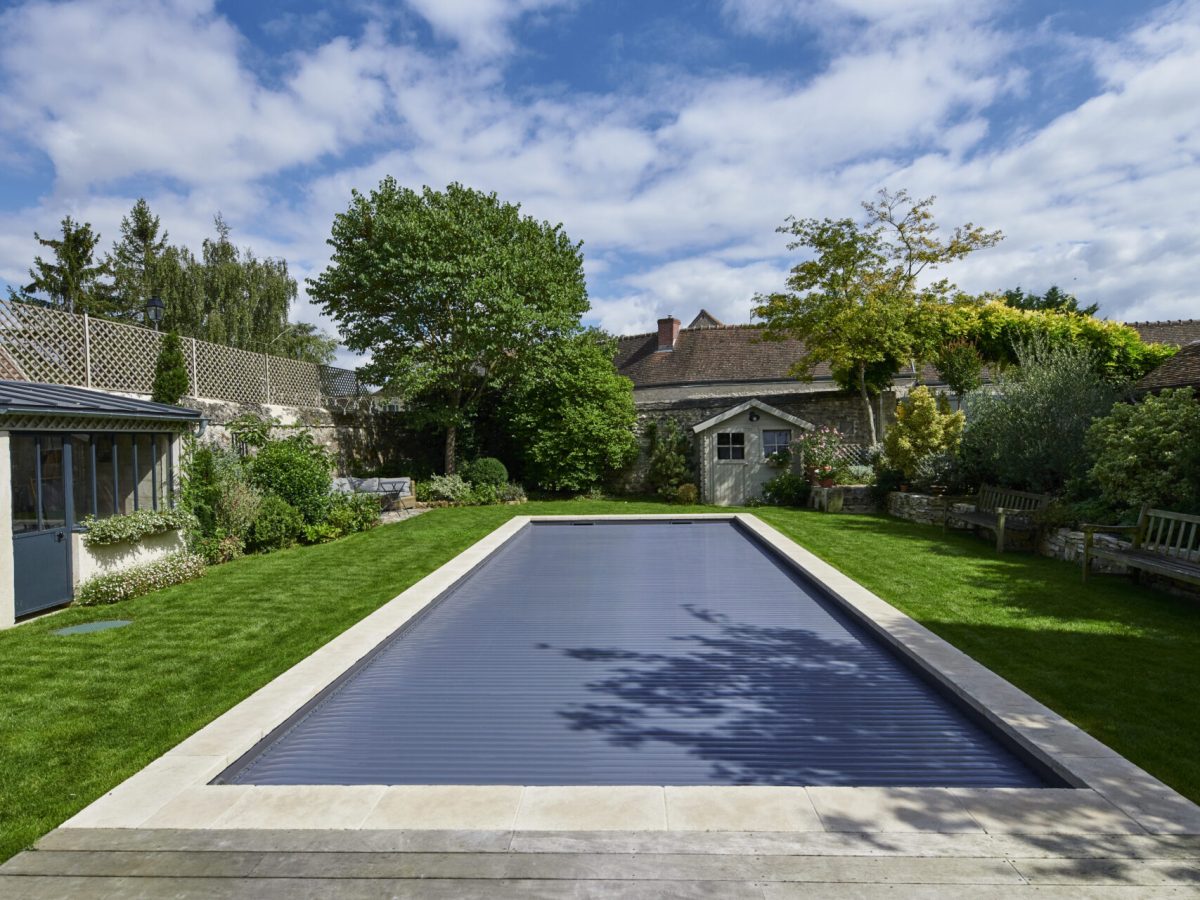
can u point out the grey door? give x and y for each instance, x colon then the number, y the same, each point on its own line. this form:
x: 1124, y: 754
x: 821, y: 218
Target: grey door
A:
x: 41, y: 524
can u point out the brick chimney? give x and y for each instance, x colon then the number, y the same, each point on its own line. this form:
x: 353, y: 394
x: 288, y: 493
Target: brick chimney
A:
x: 668, y: 331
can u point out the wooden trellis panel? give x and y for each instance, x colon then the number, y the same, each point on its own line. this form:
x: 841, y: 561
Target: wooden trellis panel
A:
x: 122, y: 356
x: 294, y: 383
x: 47, y: 345
x: 227, y: 373
x: 40, y: 344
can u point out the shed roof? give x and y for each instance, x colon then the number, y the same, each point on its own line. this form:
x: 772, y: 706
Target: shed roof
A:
x: 756, y: 404
x: 26, y: 397
x: 1181, y: 370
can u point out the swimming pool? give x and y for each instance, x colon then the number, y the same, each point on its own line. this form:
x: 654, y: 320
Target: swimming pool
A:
x: 634, y: 653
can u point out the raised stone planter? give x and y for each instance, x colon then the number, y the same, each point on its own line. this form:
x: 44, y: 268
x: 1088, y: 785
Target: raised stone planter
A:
x: 104, y: 559
x: 847, y: 498
x: 1067, y: 545
x: 923, y: 508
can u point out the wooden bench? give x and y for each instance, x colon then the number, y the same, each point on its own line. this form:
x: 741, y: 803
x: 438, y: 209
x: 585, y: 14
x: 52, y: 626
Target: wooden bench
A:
x: 998, y: 509
x: 1164, y: 542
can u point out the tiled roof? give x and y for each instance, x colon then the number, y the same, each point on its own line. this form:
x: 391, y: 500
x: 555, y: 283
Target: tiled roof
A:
x: 1181, y: 370
x: 702, y: 355
x: 23, y: 397
x: 705, y: 319
x: 705, y: 353
x: 1176, y: 331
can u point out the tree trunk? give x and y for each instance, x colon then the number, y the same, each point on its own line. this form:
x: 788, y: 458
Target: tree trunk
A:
x: 451, y: 439
x: 866, y: 399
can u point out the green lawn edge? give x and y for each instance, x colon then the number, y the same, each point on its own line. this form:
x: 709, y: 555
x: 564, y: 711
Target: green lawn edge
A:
x: 80, y: 714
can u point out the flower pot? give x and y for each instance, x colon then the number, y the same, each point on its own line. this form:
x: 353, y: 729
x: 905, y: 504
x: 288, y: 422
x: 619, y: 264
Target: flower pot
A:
x: 826, y: 482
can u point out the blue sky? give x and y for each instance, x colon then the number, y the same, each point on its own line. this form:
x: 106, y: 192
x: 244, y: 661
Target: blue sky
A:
x: 672, y: 138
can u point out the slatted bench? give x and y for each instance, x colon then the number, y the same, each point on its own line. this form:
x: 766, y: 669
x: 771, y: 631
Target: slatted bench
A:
x: 393, y: 493
x: 1164, y: 542
x: 999, y: 509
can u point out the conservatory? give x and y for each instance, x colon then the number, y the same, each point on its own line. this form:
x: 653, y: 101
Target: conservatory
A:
x: 66, y: 454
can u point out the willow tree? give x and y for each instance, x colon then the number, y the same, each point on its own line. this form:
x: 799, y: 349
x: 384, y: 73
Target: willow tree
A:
x: 452, y: 292
x: 857, y: 302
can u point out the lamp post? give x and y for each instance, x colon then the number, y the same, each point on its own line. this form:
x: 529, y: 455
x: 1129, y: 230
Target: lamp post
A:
x: 154, y: 311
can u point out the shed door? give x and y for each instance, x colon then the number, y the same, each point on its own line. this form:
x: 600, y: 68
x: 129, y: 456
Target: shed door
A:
x: 41, y: 529
x: 729, y: 468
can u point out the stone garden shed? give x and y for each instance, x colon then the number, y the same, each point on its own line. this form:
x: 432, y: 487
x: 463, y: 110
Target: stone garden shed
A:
x: 734, y: 450
x: 67, y: 453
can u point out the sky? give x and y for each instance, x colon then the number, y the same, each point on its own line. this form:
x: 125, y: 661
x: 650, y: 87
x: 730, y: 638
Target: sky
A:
x: 671, y: 138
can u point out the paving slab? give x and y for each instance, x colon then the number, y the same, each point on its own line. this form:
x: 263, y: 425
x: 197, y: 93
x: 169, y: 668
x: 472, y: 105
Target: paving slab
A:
x: 1065, y: 811
x: 302, y: 806
x: 446, y: 808
x: 592, y: 808
x: 743, y: 808
x: 868, y: 809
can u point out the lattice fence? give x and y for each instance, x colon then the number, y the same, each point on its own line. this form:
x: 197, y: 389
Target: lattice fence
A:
x: 856, y: 454
x: 40, y: 344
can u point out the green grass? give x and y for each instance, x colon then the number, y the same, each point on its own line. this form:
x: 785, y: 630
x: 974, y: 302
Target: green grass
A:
x: 80, y: 714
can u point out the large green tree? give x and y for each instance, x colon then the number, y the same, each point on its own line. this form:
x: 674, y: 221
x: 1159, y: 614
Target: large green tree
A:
x: 570, y: 415
x: 135, y: 261
x: 452, y: 291
x: 856, y: 303
x: 72, y: 279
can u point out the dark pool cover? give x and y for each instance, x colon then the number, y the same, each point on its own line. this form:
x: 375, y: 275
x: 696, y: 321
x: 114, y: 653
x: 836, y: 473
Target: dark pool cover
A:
x: 647, y: 653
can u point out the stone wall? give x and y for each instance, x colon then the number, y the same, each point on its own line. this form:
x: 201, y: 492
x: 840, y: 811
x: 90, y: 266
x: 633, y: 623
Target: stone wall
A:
x: 1058, y: 543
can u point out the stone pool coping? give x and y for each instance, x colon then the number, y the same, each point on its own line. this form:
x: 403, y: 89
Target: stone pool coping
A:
x: 1109, y: 794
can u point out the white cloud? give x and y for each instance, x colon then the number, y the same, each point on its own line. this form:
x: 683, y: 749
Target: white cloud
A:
x: 480, y: 27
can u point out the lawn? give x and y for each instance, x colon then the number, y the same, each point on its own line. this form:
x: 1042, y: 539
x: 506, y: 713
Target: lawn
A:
x: 79, y: 714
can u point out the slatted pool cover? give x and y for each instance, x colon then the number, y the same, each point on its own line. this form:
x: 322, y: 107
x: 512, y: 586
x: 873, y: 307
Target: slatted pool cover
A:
x: 634, y: 653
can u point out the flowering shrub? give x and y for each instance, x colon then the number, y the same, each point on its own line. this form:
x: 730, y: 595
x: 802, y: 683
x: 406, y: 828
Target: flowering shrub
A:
x: 174, y: 569
x: 819, y: 448
x: 512, y: 493
x: 135, y: 526
x: 449, y: 488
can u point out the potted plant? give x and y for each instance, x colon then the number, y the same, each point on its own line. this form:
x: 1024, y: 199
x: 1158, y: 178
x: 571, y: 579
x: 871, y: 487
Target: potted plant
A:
x: 780, y: 459
x: 819, y: 450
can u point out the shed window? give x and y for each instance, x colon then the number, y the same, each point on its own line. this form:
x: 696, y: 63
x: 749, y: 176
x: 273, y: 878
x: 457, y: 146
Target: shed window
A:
x: 731, y: 445
x: 776, y: 441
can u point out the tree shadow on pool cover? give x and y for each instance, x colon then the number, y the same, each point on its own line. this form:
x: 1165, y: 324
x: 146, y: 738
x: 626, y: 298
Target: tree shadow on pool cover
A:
x: 779, y: 706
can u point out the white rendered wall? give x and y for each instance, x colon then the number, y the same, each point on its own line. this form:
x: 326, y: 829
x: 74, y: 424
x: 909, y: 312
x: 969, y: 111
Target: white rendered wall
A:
x: 89, y: 562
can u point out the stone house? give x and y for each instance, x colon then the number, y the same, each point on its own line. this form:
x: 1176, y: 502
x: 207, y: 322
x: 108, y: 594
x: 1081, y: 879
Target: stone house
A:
x: 694, y: 375
x: 698, y: 374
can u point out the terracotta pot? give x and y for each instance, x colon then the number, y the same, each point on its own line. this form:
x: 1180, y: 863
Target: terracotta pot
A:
x: 904, y: 488
x: 826, y: 482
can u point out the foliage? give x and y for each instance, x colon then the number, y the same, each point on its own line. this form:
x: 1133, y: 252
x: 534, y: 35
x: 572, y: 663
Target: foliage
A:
x: 444, y: 488
x: 321, y: 533
x: 686, y: 494
x: 217, y: 491
x: 237, y: 507
x: 251, y: 430
x: 298, y: 470
x: 1028, y: 431
x: 857, y: 302
x: 1149, y: 452
x: 71, y: 279
x: 856, y: 475
x: 937, y: 472
x: 571, y: 415
x: 786, y: 489
x: 1054, y: 300
x: 170, y: 372
x: 924, y: 425
x: 818, y: 448
x: 485, y: 470
x: 135, y: 526
x: 886, y: 480
x: 302, y: 340
x: 960, y: 365
x: 139, y: 580
x: 276, y: 526
x: 216, y: 550
x: 135, y: 261
x: 670, y: 465
x: 999, y: 332
x: 451, y: 291
x: 351, y: 513
x: 512, y: 493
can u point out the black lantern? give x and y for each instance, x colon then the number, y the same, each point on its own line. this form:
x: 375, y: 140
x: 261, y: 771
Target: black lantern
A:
x: 154, y: 311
